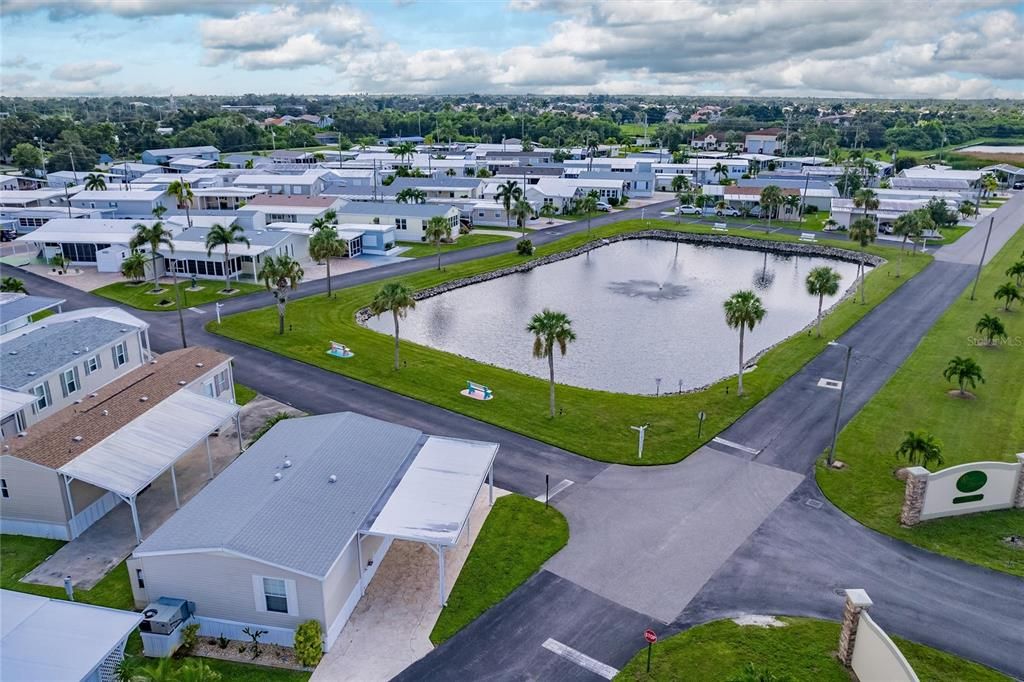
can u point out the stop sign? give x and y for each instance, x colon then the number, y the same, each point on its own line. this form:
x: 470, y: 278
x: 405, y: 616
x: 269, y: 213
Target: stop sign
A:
x: 651, y: 636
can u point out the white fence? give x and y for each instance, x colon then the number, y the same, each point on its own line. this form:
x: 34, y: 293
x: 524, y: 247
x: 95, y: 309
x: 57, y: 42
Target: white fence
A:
x: 876, y: 657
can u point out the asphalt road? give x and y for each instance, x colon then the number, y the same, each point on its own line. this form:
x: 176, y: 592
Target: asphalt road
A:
x: 790, y: 561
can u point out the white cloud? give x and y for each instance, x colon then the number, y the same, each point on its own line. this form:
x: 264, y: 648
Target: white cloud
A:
x: 84, y: 71
x: 61, y: 10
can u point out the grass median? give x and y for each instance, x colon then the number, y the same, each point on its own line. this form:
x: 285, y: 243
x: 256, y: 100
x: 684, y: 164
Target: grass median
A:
x: 592, y: 423
x: 139, y: 296
x: 802, y: 650
x: 518, y: 536
x: 987, y: 428
x: 466, y: 241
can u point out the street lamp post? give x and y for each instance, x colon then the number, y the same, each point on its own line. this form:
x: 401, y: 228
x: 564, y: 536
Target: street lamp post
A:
x: 839, y: 406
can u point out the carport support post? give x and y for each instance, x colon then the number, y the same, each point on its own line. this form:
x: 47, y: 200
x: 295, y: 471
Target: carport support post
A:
x: 209, y: 457
x: 238, y: 427
x: 440, y: 573
x: 67, y: 487
x: 135, y: 519
x: 174, y: 484
x: 490, y: 485
x: 359, y: 561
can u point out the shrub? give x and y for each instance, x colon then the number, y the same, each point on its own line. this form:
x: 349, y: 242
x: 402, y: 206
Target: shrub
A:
x: 309, y: 643
x: 189, y: 636
x: 613, y: 201
x: 524, y: 247
x: 809, y: 209
x: 624, y: 200
x: 222, y: 641
x: 267, y: 425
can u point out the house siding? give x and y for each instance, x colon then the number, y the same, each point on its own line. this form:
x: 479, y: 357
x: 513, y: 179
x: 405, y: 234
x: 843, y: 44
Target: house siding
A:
x: 36, y: 496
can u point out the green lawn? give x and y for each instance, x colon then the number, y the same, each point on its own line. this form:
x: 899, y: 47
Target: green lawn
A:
x: 243, y: 394
x: 19, y: 554
x: 803, y: 650
x: 422, y: 250
x: 988, y: 428
x: 42, y: 314
x: 518, y: 536
x: 594, y: 423
x: 951, y: 234
x: 138, y: 296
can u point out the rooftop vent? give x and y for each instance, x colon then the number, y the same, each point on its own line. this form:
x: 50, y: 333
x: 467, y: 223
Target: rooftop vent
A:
x: 22, y: 434
x: 143, y: 398
x: 77, y: 439
x: 123, y: 330
x: 332, y: 479
x: 13, y: 352
x: 93, y: 394
x: 287, y: 464
x: 182, y: 383
x: 105, y: 413
x: 74, y: 352
x: 78, y: 402
x: 277, y: 476
x: 199, y: 364
x: 31, y: 374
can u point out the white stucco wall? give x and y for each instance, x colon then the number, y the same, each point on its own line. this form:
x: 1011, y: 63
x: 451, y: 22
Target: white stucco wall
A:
x: 949, y: 494
x: 876, y: 658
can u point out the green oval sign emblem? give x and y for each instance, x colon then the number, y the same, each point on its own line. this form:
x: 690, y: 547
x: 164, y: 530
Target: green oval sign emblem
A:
x: 971, y: 481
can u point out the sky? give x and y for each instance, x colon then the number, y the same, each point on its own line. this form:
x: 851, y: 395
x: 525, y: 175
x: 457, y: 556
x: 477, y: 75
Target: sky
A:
x: 828, y: 48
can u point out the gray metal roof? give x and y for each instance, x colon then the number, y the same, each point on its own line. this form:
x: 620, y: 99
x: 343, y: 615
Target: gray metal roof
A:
x: 437, y: 181
x: 394, y: 208
x: 22, y: 306
x: 45, y: 349
x: 303, y: 521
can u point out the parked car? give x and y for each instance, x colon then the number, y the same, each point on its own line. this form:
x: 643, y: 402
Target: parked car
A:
x: 727, y: 211
x: 8, y: 235
x: 687, y: 209
x: 1018, y: 185
x: 604, y: 206
x: 886, y: 228
x: 834, y: 227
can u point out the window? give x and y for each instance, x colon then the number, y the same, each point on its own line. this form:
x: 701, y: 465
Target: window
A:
x: 139, y: 579
x: 92, y: 365
x: 69, y: 381
x: 3, y: 488
x: 275, y: 594
x: 120, y: 354
x: 42, y: 393
x: 400, y: 224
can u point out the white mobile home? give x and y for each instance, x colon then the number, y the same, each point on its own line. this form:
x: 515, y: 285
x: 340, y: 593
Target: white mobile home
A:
x: 409, y: 219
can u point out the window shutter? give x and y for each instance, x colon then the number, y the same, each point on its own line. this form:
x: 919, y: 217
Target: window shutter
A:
x: 64, y: 384
x: 78, y: 378
x: 257, y: 593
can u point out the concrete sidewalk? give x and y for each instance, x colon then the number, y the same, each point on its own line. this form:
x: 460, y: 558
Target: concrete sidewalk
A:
x: 105, y: 544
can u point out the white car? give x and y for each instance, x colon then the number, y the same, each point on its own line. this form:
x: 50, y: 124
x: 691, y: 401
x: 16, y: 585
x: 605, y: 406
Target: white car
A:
x: 604, y: 206
x: 687, y: 209
x: 727, y: 211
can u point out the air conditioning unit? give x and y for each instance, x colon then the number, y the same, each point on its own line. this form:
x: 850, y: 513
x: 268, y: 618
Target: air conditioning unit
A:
x: 163, y: 616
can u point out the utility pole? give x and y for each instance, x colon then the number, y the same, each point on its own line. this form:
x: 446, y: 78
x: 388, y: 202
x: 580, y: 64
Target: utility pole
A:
x: 984, y: 250
x: 839, y: 406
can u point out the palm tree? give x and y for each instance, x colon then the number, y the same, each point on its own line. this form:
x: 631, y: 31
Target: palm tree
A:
x: 437, y: 230
x: 743, y: 310
x: 225, y: 236
x: 95, y: 181
x: 134, y: 267
x: 835, y: 156
x: 248, y: 164
x: 154, y: 236
x: 550, y: 328
x: 907, y: 226
x: 863, y: 231
x: 720, y: 170
x: 867, y: 199
x: 411, y: 195
x: 821, y: 282
x: 548, y: 211
x: 680, y: 183
x: 771, y: 199
x: 1008, y: 291
x: 521, y: 211
x: 182, y: 192
x: 588, y: 205
x: 403, y: 150
x: 920, y: 449
x: 396, y: 298
x: 792, y: 202
x: 991, y: 326
x: 592, y: 148
x: 508, y: 193
x: 965, y: 371
x: 12, y: 285
x: 849, y: 182
x: 280, y: 274
x: 324, y: 245
x: 1017, y: 271
x: 60, y: 262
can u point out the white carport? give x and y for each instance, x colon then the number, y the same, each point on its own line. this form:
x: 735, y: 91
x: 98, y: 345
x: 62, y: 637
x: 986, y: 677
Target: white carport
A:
x: 432, y: 501
x: 135, y: 455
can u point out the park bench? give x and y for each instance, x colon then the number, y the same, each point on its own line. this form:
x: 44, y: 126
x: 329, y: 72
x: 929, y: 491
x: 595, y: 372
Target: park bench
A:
x: 720, y: 227
x: 477, y: 391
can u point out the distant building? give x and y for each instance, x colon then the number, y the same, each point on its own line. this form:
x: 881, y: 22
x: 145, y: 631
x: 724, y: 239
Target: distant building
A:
x: 764, y: 141
x: 162, y: 156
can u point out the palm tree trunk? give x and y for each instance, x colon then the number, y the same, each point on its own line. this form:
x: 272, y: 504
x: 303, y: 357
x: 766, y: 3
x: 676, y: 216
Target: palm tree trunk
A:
x: 439, y: 254
x: 156, y: 277
x: 281, y: 301
x: 227, y: 272
x: 821, y: 301
x: 551, y: 385
x: 188, y: 216
x: 328, y: 261
x: 395, y: 314
x: 739, y: 389
x: 177, y: 304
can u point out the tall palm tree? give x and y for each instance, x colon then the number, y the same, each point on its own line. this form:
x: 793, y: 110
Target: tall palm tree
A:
x: 548, y: 211
x: 835, y: 156
x: 965, y: 371
x: 281, y: 274
x: 680, y: 183
x: 792, y: 202
x: 396, y: 298
x: 1009, y: 292
x: 521, y: 211
x: 134, y: 267
x: 437, y: 230
x: 771, y: 199
x: 920, y: 449
x: 1017, y: 271
x: 592, y: 148
x: 95, y: 181
x: 403, y: 151
x: 508, y: 193
x: 992, y: 327
x: 550, y: 328
x: 863, y: 231
x: 867, y: 199
x: 154, y: 236
x: 411, y: 195
x: 181, y: 190
x: 325, y: 245
x: 588, y: 205
x: 12, y: 285
x: 225, y: 236
x: 822, y: 281
x: 248, y: 164
x: 743, y: 310
x: 720, y: 170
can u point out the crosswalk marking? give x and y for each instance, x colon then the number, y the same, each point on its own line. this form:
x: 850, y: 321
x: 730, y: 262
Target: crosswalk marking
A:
x: 559, y: 487
x: 737, y: 446
x: 580, y: 659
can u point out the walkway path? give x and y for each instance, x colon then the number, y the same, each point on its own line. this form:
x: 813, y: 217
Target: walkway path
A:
x: 627, y: 523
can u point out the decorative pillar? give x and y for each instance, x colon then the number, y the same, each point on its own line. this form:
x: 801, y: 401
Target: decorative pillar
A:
x: 913, y: 497
x: 857, y: 601
x: 1018, y: 500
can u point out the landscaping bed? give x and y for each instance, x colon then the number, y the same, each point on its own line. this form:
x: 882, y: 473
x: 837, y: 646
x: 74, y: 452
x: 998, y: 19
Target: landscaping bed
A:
x: 140, y: 295
x: 592, y: 423
x: 804, y: 649
x: 988, y: 428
